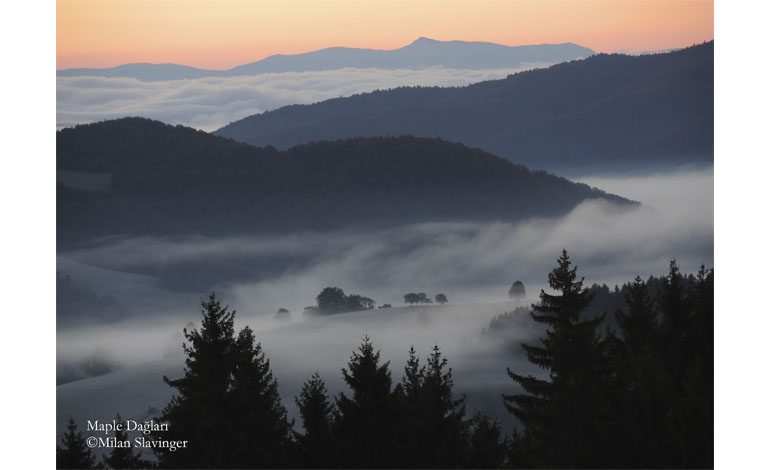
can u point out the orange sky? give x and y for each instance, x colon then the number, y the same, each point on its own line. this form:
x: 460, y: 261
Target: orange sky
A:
x: 224, y: 33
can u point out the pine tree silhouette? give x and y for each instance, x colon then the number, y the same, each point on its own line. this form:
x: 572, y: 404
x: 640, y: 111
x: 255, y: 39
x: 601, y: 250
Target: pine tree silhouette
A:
x: 442, y: 427
x: 408, y: 394
x: 227, y: 403
x: 676, y: 318
x: 123, y: 457
x: 563, y: 414
x: 432, y: 426
x: 316, y: 445
x: 199, y: 412
x: 639, y: 383
x: 365, y: 421
x: 74, y: 452
x: 687, y: 326
x: 414, y: 375
x: 486, y: 446
x: 638, y: 326
x: 261, y: 429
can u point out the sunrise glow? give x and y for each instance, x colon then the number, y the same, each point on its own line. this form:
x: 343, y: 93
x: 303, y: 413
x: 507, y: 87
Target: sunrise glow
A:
x: 224, y: 33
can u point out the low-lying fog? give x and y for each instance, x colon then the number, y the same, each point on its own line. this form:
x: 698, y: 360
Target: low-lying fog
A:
x: 212, y: 102
x: 473, y: 264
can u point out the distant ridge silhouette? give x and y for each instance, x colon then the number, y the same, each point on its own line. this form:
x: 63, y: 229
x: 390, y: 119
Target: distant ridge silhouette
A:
x: 423, y: 52
x: 175, y: 180
x: 605, y: 112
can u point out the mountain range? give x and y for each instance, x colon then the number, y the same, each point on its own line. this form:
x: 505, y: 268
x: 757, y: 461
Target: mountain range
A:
x: 421, y: 53
x: 602, y: 113
x: 174, y: 180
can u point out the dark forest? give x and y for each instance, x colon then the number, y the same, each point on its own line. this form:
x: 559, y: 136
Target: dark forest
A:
x: 636, y: 391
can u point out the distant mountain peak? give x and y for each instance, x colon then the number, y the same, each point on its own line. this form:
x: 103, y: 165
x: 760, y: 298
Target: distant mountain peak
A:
x: 425, y: 40
x: 422, y: 52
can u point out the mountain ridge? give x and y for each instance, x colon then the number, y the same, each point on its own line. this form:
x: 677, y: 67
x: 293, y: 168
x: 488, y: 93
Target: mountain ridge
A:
x: 173, y: 180
x: 603, y: 111
x: 422, y: 52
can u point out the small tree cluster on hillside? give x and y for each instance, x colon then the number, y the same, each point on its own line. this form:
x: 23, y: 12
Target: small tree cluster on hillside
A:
x: 334, y: 300
x: 422, y: 298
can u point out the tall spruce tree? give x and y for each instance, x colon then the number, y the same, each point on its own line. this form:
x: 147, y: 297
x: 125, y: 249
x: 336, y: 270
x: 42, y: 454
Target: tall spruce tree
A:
x: 702, y: 299
x: 639, y: 384
x: 442, y: 426
x: 408, y: 395
x: 432, y: 425
x: 227, y: 404
x: 563, y: 414
x: 365, y: 421
x: 639, y: 326
x: 74, y: 452
x: 199, y: 412
x: 486, y: 445
x: 316, y: 444
x: 123, y: 457
x: 676, y: 315
x: 414, y: 375
x: 689, y: 332
x: 261, y: 429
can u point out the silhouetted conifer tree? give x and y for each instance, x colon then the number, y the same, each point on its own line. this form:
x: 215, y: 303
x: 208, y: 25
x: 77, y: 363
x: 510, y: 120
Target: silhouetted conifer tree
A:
x: 414, y: 374
x: 199, y: 412
x: 563, y: 415
x: 639, y: 383
x: 227, y: 403
x: 123, y: 457
x: 432, y: 421
x: 518, y: 448
x: 74, y: 452
x: 365, y: 421
x: 676, y: 316
x: 702, y: 298
x: 688, y: 326
x: 316, y: 445
x: 639, y: 326
x: 486, y: 446
x: 442, y: 426
x: 261, y: 429
x: 407, y: 395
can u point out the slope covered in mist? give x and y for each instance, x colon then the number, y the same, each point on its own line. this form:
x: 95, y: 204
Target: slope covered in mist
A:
x: 604, y: 112
x: 298, y: 349
x: 172, y: 180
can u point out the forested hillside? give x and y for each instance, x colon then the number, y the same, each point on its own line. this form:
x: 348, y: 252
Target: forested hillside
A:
x: 175, y: 180
x: 605, y: 112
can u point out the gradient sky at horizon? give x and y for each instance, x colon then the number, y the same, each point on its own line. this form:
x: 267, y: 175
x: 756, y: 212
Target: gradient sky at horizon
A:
x: 224, y: 33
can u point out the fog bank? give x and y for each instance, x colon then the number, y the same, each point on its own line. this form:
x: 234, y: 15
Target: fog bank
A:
x: 210, y: 103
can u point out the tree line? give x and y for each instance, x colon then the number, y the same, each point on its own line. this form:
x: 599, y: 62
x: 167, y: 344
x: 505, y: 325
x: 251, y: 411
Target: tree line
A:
x: 422, y: 298
x: 333, y: 300
x: 638, y: 396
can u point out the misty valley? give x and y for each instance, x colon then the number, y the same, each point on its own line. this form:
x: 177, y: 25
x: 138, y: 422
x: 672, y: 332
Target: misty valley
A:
x: 512, y: 273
